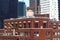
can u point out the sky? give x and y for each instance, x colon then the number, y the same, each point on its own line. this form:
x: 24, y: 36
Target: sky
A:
x: 26, y: 2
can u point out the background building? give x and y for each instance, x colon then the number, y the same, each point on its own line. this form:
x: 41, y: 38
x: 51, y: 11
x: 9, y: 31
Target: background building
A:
x: 35, y: 5
x: 8, y: 9
x: 46, y: 7
x: 59, y: 8
x: 21, y: 9
x: 50, y: 7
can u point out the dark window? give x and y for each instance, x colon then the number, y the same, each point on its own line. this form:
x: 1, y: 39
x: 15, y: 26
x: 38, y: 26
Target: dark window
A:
x: 29, y: 25
x: 36, y: 34
x: 54, y: 27
x: 44, y: 25
x: 27, y: 34
x: 14, y: 25
x: 47, y: 33
x: 24, y: 25
x: 16, y: 33
x: 54, y: 33
x: 36, y: 25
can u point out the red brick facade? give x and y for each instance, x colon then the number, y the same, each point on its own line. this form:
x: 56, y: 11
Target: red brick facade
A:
x: 35, y: 28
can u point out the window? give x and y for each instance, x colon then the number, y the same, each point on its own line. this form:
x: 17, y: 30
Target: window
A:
x: 54, y: 27
x: 36, y: 25
x: 54, y: 38
x: 21, y: 33
x: 29, y: 25
x: 10, y: 34
x: 26, y: 34
x: 44, y: 25
x: 47, y: 33
x: 16, y: 33
x: 20, y: 26
x: 59, y: 27
x: 58, y: 33
x: 24, y: 25
x: 47, y: 38
x: 36, y: 34
x: 14, y: 25
x: 54, y: 33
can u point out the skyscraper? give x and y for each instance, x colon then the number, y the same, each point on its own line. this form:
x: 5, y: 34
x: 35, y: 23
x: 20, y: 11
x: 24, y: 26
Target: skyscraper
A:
x: 49, y: 7
x: 35, y: 5
x: 13, y: 8
x: 8, y: 9
x: 21, y: 9
x: 46, y: 7
x: 59, y: 8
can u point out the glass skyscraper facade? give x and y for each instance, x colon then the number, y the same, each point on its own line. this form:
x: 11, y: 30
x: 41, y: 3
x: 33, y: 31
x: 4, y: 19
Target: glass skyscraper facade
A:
x: 8, y: 9
x: 59, y: 8
x: 21, y: 9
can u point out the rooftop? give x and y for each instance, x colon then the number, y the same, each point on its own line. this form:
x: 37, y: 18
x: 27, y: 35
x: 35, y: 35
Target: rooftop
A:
x: 26, y: 18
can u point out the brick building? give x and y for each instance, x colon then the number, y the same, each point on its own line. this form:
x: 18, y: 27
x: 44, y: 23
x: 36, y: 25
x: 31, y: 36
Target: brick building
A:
x: 39, y: 27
